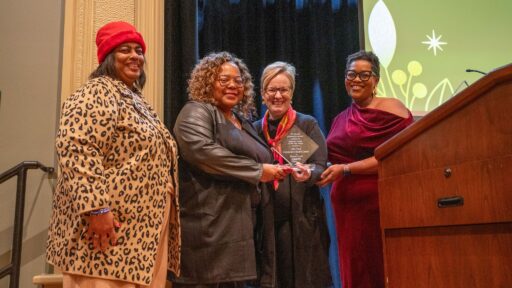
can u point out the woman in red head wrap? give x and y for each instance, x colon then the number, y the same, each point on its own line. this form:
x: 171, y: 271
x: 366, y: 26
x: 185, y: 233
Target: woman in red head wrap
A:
x: 115, y: 210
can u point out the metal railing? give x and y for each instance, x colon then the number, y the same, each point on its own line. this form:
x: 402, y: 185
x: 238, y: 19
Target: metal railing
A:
x: 20, y: 170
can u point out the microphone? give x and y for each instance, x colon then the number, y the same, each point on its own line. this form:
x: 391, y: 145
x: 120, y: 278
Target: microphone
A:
x: 460, y: 85
x: 477, y: 71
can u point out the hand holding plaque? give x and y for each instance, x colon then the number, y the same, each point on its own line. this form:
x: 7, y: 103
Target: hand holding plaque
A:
x: 292, y: 166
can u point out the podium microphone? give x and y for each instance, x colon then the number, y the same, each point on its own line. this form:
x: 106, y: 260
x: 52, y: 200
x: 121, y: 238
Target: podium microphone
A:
x: 477, y: 71
x: 460, y: 85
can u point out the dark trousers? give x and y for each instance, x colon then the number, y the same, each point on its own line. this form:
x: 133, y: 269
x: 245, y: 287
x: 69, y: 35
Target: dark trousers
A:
x: 284, y: 254
x: 215, y: 285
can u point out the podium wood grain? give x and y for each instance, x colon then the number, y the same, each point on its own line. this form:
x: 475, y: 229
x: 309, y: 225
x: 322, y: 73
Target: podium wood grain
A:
x: 461, y: 149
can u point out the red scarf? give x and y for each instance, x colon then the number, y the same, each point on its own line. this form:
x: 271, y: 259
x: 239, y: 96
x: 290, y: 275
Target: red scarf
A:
x: 284, y: 126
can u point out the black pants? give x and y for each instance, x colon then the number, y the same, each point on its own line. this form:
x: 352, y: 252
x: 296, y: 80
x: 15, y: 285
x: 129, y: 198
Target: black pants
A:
x: 215, y: 285
x: 284, y: 254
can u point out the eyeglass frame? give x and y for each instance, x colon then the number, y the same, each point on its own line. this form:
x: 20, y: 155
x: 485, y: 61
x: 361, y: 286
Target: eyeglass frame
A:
x: 358, y: 74
x: 286, y: 91
x: 225, y: 80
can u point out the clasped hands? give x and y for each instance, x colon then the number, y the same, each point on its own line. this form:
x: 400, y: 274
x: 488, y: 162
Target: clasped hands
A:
x: 299, y: 171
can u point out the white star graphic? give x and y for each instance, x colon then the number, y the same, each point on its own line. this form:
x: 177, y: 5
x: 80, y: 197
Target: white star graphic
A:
x: 434, y: 42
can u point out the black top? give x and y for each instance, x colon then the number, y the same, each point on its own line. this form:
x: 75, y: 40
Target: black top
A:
x: 282, y: 197
x: 272, y: 127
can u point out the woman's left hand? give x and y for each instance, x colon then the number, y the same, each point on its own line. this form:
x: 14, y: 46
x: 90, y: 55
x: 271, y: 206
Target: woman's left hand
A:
x: 102, y: 230
x: 301, y: 173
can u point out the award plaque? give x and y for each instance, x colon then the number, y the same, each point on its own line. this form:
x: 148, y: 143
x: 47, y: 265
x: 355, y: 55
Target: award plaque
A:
x: 296, y: 146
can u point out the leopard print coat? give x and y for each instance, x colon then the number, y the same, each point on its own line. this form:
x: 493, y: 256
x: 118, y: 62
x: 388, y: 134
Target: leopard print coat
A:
x: 113, y: 152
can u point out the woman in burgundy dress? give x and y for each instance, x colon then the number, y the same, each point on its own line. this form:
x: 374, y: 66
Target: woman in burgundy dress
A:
x: 355, y: 133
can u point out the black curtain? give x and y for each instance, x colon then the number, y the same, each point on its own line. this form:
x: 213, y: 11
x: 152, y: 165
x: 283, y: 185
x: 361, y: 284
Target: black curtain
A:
x: 314, y: 35
x: 181, y: 54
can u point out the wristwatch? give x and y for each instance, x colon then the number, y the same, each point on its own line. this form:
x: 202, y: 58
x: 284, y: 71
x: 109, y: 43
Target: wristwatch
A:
x: 346, y: 170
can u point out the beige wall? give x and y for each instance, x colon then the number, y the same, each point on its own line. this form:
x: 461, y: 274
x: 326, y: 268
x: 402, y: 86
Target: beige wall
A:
x: 30, y: 53
x: 47, y: 50
x: 84, y: 17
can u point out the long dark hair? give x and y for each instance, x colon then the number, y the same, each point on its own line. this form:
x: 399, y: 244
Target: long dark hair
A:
x: 108, y: 68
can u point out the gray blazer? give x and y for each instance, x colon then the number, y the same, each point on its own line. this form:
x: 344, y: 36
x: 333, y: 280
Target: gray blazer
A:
x: 310, y: 237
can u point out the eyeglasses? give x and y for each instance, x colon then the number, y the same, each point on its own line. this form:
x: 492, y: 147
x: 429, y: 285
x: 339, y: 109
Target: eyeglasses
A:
x: 273, y: 91
x: 224, y: 81
x: 363, y: 75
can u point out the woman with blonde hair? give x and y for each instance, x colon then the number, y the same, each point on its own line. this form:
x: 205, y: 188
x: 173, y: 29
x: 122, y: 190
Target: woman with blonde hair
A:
x: 295, y: 236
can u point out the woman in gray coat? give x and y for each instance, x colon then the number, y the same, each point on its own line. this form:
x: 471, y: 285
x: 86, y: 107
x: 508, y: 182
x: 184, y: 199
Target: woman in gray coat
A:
x: 223, y: 158
x: 295, y: 244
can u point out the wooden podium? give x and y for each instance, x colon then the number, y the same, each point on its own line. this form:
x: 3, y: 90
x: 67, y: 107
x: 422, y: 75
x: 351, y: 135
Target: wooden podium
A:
x: 445, y: 187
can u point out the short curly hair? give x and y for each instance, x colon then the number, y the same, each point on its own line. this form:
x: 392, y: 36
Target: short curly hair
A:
x: 366, y: 56
x: 205, y: 73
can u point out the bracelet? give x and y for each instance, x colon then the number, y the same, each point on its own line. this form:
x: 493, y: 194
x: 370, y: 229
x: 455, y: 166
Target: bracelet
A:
x: 346, y: 170
x: 100, y: 211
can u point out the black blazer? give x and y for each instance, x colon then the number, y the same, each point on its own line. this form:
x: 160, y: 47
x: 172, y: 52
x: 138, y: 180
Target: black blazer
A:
x: 215, y: 195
